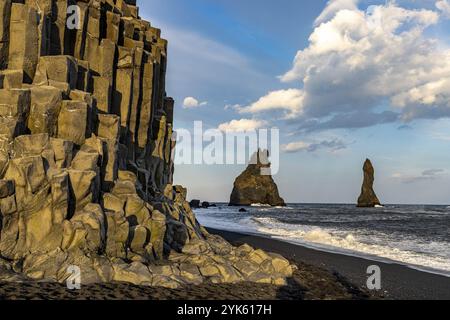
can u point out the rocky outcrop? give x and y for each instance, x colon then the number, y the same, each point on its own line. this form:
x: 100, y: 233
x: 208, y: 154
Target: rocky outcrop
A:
x: 195, y: 204
x: 86, y: 150
x: 253, y: 187
x: 368, y: 198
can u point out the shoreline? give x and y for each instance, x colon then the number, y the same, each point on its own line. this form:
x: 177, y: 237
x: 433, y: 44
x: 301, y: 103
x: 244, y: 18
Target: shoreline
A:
x: 398, y: 281
x: 320, y: 276
x: 340, y: 251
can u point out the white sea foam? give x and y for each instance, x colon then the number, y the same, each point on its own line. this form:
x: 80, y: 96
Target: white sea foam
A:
x: 350, y: 244
x: 424, y: 256
x: 257, y: 205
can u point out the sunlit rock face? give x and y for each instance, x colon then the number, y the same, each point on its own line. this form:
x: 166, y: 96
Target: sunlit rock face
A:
x: 254, y: 186
x: 86, y: 156
x: 368, y: 198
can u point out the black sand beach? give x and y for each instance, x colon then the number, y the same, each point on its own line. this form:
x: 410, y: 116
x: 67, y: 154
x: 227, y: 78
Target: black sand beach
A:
x: 307, y: 283
x: 320, y: 276
x: 398, y: 281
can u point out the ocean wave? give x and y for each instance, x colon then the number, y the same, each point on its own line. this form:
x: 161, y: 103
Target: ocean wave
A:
x: 285, y: 208
x: 260, y: 205
x: 351, y: 244
x: 351, y: 234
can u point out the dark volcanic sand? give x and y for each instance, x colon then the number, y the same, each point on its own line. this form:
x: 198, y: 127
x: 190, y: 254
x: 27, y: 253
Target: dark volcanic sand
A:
x: 398, y: 281
x: 321, y: 276
x: 308, y: 283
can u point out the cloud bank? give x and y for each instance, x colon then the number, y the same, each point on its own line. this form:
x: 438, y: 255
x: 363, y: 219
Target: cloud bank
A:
x: 444, y: 6
x: 291, y: 101
x: 302, y: 146
x: 431, y: 174
x: 363, y: 68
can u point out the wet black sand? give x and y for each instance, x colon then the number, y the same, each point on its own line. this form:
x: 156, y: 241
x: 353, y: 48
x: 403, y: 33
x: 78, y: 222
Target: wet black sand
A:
x: 398, y: 281
x: 308, y: 283
x: 320, y: 276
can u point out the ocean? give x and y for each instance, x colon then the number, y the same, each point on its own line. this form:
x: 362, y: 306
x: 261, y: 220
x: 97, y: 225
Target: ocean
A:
x: 414, y: 235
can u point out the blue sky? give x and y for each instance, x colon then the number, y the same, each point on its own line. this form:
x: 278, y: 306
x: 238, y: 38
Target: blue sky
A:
x: 371, y: 79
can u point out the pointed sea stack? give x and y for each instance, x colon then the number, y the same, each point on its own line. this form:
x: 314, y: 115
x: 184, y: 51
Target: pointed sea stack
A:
x: 368, y: 198
x: 251, y: 187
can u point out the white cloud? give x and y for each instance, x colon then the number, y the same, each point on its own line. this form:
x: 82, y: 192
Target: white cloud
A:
x: 444, y: 6
x: 302, y: 146
x: 334, y: 6
x: 357, y: 60
x: 232, y: 107
x: 295, y: 147
x: 191, y: 102
x: 291, y: 101
x: 433, y: 93
x: 242, y: 125
x: 431, y: 174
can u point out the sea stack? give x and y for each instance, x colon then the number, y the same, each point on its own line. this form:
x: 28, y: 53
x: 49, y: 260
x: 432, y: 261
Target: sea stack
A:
x: 86, y: 166
x: 368, y: 198
x: 251, y: 187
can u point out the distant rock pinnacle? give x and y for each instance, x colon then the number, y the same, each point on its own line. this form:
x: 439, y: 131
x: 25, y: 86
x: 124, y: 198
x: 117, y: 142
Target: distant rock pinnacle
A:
x: 368, y: 198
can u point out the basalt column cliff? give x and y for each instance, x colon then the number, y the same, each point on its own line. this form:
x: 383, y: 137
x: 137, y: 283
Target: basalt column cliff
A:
x: 85, y: 155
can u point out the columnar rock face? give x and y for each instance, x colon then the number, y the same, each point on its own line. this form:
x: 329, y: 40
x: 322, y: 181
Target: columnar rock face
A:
x: 368, y: 198
x: 252, y: 187
x: 86, y: 155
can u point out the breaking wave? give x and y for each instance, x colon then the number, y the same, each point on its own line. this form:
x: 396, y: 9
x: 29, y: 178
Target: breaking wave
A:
x: 350, y: 244
x: 417, y: 238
